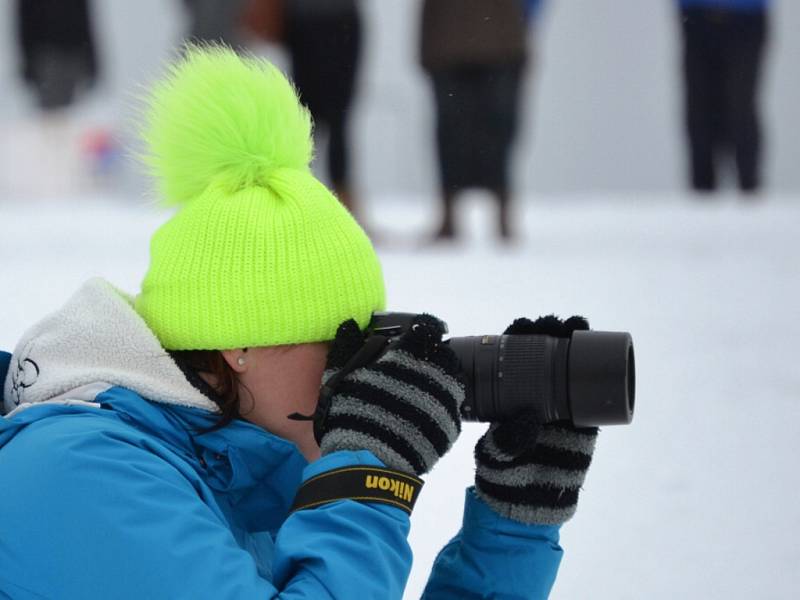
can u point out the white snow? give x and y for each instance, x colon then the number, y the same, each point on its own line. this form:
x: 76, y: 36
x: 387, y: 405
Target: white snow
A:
x: 699, y: 497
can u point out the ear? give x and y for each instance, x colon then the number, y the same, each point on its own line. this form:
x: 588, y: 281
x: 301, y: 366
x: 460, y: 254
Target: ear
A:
x: 236, y: 359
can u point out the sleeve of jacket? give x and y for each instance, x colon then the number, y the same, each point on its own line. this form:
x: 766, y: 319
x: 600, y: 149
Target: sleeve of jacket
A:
x: 348, y: 549
x: 495, y: 557
x: 122, y: 522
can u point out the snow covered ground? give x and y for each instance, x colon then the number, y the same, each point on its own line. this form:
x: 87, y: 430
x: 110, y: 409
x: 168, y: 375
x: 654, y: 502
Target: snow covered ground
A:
x: 700, y: 497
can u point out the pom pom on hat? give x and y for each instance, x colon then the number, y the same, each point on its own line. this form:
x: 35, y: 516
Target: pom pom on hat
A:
x: 219, y: 118
x: 260, y: 252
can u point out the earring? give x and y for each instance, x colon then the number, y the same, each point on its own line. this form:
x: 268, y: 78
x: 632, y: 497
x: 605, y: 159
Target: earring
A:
x: 240, y: 361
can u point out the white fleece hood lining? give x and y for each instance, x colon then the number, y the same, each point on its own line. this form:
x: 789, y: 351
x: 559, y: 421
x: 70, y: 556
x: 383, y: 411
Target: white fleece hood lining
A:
x: 94, y: 342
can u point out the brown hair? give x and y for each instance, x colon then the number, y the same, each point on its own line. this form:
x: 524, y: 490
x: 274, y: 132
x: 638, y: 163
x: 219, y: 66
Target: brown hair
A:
x: 225, y: 389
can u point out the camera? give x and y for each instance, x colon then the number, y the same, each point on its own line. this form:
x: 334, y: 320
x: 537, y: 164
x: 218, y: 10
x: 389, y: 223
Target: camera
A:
x: 587, y: 379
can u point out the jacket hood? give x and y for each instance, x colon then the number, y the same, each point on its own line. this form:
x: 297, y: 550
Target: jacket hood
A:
x: 94, y: 342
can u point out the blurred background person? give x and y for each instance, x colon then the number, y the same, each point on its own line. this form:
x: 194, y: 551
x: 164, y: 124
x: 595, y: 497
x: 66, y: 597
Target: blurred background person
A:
x: 323, y: 39
x: 57, y: 50
x: 724, y: 44
x: 264, y: 20
x: 474, y: 52
x: 216, y: 21
x: 57, y: 61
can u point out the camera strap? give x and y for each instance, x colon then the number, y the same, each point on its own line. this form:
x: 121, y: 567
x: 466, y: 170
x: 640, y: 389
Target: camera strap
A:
x: 372, y: 347
x: 361, y: 483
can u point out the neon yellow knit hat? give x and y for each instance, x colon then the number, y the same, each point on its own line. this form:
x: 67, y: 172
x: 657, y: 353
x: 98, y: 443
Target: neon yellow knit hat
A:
x: 262, y: 254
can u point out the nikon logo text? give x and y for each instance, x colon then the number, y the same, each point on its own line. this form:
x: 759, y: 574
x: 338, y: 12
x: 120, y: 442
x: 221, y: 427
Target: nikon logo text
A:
x: 400, y: 489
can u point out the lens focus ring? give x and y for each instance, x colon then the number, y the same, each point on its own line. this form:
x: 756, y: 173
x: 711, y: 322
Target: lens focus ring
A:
x: 521, y: 373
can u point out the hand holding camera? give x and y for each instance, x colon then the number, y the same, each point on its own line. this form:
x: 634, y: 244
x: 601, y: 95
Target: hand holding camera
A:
x: 529, y: 471
x: 400, y: 401
x: 400, y: 391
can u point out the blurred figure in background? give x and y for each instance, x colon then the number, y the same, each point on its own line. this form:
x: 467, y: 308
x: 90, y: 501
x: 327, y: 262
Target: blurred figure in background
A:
x: 58, y: 62
x: 474, y: 52
x: 57, y: 50
x: 215, y: 21
x: 323, y: 39
x: 724, y: 44
x: 264, y: 20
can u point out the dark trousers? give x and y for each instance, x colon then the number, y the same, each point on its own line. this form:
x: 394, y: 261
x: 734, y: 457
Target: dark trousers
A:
x: 722, y: 64
x: 476, y: 119
x: 325, y: 52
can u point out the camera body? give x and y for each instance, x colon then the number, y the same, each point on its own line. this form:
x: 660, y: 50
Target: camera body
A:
x: 587, y: 379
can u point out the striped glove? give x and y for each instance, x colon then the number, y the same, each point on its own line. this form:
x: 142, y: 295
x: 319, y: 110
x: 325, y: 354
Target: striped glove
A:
x: 401, y: 402
x: 530, y: 472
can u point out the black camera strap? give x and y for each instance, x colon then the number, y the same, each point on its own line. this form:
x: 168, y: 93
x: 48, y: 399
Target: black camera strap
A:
x: 372, y: 347
x: 361, y: 483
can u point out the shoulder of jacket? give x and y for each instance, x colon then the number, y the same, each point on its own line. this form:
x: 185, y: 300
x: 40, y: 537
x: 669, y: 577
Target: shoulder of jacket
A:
x: 74, y: 440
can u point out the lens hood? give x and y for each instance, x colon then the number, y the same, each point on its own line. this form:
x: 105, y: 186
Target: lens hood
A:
x: 601, y: 378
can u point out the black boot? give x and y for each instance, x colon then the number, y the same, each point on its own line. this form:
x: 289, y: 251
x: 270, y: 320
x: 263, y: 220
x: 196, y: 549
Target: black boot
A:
x: 446, y: 230
x: 503, y: 215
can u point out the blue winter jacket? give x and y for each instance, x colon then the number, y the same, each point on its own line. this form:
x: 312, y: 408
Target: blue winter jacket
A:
x: 107, y: 494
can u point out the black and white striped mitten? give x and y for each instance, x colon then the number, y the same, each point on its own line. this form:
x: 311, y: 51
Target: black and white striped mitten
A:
x: 403, y: 406
x: 530, y: 472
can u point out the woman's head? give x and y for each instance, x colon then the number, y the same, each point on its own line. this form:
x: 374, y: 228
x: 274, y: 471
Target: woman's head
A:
x: 260, y: 255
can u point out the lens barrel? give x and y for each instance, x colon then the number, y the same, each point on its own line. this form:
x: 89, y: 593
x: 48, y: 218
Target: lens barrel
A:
x: 588, y: 379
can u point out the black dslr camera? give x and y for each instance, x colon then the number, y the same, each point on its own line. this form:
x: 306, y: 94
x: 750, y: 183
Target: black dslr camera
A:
x: 587, y: 379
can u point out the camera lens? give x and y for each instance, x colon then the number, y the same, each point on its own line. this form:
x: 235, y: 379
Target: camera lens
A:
x: 587, y: 379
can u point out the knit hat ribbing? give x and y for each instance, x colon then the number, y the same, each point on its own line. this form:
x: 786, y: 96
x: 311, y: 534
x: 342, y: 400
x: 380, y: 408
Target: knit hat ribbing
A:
x: 262, y: 254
